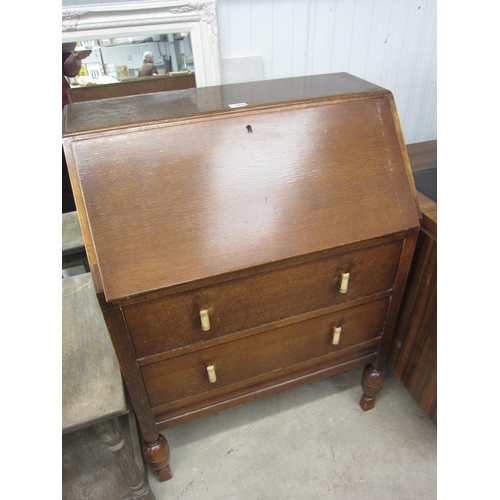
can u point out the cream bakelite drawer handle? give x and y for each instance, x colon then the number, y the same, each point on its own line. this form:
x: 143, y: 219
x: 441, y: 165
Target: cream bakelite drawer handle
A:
x: 212, y: 377
x: 336, y: 335
x: 344, y: 282
x: 205, y: 320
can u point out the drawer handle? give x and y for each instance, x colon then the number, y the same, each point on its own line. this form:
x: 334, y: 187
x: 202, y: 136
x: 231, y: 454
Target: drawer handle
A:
x: 344, y: 281
x: 211, y: 373
x: 205, y: 320
x: 336, y: 335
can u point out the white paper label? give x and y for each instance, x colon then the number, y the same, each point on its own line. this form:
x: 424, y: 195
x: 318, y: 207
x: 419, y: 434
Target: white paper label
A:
x: 238, y: 105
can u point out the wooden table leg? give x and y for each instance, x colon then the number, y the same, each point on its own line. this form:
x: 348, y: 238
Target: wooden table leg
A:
x: 109, y: 433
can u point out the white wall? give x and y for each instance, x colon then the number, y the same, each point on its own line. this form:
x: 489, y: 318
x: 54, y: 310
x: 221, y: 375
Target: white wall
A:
x: 391, y: 43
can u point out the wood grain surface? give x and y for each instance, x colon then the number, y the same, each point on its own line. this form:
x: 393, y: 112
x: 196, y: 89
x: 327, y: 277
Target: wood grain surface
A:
x: 185, y: 377
x: 226, y: 199
x: 264, y: 298
x: 88, y: 117
x: 251, y: 213
x: 135, y: 86
x: 413, y: 355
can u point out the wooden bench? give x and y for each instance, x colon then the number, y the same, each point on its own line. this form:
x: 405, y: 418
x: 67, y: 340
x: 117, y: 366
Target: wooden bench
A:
x: 92, y: 389
x: 133, y: 86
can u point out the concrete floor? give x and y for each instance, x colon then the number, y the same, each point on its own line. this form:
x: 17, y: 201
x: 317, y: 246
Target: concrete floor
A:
x: 311, y: 442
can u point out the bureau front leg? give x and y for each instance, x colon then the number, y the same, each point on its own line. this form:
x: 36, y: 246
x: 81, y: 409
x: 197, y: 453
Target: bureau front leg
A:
x: 372, y: 381
x: 155, y: 447
x: 157, y: 456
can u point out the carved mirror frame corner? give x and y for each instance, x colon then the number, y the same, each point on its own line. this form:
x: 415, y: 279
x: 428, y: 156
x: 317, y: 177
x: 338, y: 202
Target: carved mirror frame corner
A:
x: 149, y: 17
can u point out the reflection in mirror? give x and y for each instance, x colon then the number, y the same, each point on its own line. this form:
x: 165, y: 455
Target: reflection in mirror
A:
x: 146, y: 18
x: 119, y: 59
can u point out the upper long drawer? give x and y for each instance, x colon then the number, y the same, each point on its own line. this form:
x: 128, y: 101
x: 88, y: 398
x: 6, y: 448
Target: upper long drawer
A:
x: 174, y: 321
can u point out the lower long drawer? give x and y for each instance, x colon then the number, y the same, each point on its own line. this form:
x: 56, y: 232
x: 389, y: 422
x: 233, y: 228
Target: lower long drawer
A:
x: 185, y: 379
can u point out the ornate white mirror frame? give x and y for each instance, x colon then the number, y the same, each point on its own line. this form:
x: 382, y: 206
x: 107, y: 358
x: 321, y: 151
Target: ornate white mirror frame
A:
x: 152, y: 17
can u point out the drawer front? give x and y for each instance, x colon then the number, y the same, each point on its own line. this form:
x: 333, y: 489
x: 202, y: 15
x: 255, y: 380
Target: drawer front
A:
x: 172, y: 322
x: 261, y: 356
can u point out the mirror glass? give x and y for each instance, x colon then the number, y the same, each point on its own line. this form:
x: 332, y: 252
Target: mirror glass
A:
x: 156, y: 25
x: 118, y: 59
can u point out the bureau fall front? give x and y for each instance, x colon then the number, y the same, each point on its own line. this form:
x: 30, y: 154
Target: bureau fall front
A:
x: 243, y: 239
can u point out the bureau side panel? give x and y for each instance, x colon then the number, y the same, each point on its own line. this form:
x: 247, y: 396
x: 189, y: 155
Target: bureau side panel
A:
x: 397, y: 295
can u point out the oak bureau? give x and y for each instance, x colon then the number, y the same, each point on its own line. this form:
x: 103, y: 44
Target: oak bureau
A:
x: 243, y: 239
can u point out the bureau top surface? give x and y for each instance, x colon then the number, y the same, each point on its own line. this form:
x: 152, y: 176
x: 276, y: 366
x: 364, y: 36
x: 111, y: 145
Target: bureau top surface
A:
x: 175, y: 202
x: 162, y: 106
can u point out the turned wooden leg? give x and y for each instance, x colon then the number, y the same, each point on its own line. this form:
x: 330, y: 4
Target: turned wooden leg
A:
x: 157, y: 456
x: 371, y: 383
x: 109, y: 433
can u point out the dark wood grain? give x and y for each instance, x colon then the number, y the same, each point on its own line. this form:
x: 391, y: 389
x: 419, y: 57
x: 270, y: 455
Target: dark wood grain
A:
x: 422, y: 155
x: 185, y: 377
x: 133, y: 86
x: 397, y: 296
x: 242, y: 304
x: 231, y: 200
x: 372, y: 382
x: 106, y: 114
x: 337, y: 364
x: 413, y: 356
x: 252, y: 213
x: 429, y: 214
x: 157, y: 455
